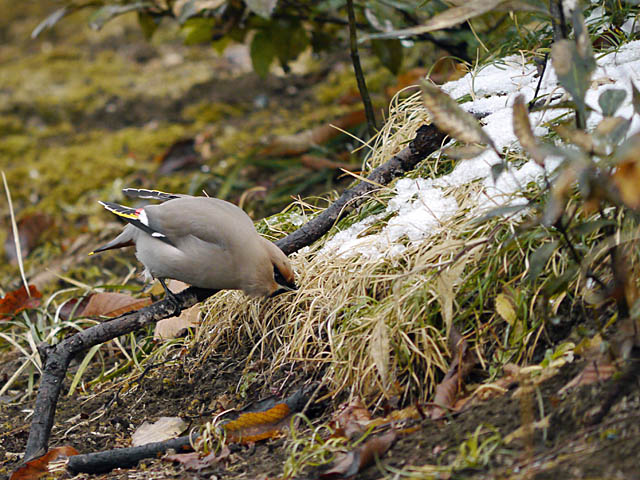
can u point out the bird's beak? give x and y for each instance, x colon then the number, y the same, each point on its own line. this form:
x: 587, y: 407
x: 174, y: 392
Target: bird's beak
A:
x: 284, y: 289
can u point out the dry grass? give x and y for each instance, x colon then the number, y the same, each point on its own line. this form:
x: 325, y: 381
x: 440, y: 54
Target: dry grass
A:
x: 375, y: 328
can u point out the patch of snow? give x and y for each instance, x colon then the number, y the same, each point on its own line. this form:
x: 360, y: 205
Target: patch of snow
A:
x: 421, y: 206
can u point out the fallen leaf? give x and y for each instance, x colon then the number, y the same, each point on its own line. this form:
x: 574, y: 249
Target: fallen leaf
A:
x: 597, y: 370
x: 18, y: 300
x: 301, y: 142
x: 268, y: 420
x: 449, y: 117
x: 351, y: 420
x: 193, y: 461
x: 173, y: 327
x: 179, y: 156
x: 162, y: 429
x: 112, y: 304
x: 30, y: 230
x: 254, y: 426
x: 39, y: 467
x: 447, y: 390
x: 356, y: 460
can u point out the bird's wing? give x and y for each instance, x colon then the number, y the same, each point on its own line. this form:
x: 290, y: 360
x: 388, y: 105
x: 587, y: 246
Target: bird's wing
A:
x: 150, y: 194
x: 138, y: 218
x: 211, y: 220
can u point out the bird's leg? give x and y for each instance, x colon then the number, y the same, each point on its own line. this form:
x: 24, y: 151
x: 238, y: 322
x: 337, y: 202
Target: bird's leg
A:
x: 170, y: 298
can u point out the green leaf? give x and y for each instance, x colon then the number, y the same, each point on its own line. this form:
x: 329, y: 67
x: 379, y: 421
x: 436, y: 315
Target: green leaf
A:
x: 610, y: 100
x: 262, y: 52
x: 560, y: 283
x: 289, y: 40
x: 198, y: 30
x: 500, y: 211
x: 574, y: 62
x: 102, y: 15
x: 264, y: 8
x: 390, y: 53
x: 148, y: 24
x: 587, y: 228
x: 539, y: 258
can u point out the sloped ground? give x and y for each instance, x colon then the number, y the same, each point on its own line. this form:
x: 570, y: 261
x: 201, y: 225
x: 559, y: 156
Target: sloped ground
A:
x: 567, y: 448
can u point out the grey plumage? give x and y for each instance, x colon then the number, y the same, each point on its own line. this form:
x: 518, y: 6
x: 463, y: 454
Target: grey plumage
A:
x: 205, y: 242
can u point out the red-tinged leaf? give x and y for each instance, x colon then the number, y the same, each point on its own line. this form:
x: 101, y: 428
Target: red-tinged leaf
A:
x: 355, y: 461
x: 192, y: 461
x: 30, y: 230
x: 18, y: 300
x: 179, y: 156
x: 112, y: 304
x: 39, y: 467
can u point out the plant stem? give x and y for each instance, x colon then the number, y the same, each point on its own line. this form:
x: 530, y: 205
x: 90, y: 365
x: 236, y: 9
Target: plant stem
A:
x: 355, y: 58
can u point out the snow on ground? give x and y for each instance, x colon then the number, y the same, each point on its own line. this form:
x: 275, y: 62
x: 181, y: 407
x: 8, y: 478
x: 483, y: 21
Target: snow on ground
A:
x: 421, y: 206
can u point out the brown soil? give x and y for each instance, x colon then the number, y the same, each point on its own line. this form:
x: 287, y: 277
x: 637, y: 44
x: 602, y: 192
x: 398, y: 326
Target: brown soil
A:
x: 568, y: 448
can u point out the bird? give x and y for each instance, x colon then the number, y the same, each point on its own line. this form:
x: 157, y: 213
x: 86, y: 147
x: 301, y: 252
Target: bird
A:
x: 205, y: 242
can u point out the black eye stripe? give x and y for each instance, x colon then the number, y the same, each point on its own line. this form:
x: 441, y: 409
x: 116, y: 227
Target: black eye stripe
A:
x: 280, y: 280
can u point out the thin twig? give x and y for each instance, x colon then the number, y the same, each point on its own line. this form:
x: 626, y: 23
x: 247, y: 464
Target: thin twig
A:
x: 355, y: 58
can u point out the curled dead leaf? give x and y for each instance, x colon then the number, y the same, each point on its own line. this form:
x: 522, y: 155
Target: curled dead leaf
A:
x: 447, y: 115
x: 18, y: 300
x: 39, y: 467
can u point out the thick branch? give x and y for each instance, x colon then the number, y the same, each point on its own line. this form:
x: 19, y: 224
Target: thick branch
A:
x: 101, y: 462
x: 56, y: 359
x: 428, y: 140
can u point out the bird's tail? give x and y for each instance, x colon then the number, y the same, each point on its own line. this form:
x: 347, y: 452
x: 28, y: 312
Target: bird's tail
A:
x: 149, y: 194
x: 125, y: 239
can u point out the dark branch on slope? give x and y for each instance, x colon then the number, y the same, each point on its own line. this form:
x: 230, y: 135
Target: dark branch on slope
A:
x: 56, y: 358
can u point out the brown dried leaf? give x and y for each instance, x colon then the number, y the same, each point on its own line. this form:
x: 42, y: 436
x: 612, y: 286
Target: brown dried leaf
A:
x: 446, y: 19
x: 301, y: 142
x: 30, y: 230
x: 18, y: 300
x: 597, y: 370
x: 522, y: 129
x: 627, y: 174
x: 379, y: 349
x: 354, y: 461
x: 162, y: 429
x: 39, y: 467
x: 192, y: 461
x: 112, y: 304
x: 462, y: 364
x: 450, y: 118
x: 578, y: 138
x: 352, y: 419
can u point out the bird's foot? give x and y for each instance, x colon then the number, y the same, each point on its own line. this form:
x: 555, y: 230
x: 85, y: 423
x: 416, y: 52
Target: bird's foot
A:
x: 171, y: 300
